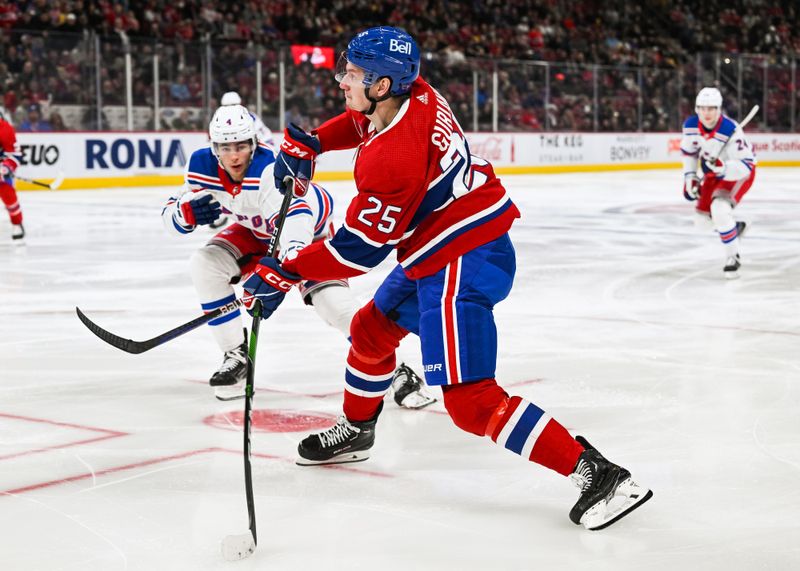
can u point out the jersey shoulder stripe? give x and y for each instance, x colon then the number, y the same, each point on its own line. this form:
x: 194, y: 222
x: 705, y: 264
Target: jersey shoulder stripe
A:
x: 727, y: 128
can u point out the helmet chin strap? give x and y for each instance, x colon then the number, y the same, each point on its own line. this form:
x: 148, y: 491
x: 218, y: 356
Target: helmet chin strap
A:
x: 373, y: 101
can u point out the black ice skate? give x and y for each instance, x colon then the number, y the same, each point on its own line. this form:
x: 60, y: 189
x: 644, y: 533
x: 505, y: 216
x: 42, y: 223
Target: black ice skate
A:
x: 17, y: 231
x: 229, y: 380
x: 344, y: 442
x: 409, y: 389
x: 608, y: 493
x: 731, y: 269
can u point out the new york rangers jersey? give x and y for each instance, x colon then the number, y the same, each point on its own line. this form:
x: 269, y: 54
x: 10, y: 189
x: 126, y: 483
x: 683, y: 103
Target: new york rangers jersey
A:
x: 254, y: 202
x: 700, y: 144
x: 420, y: 191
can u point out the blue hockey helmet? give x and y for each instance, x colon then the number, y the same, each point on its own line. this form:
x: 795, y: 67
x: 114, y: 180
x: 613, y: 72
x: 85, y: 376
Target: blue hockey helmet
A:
x: 384, y: 52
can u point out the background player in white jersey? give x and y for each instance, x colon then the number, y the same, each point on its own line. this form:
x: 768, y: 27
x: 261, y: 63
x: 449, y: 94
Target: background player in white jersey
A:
x: 263, y: 132
x: 235, y: 176
x: 728, y: 170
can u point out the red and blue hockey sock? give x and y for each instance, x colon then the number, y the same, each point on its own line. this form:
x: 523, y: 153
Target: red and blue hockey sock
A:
x: 365, y: 386
x: 523, y: 428
x: 9, y: 197
x: 484, y: 408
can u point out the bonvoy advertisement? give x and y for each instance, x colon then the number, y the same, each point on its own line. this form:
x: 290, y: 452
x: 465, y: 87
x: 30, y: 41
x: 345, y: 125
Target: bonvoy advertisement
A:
x: 109, y: 160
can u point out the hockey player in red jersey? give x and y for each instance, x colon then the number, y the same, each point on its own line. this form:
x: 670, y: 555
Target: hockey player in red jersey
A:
x: 9, y: 161
x: 421, y: 193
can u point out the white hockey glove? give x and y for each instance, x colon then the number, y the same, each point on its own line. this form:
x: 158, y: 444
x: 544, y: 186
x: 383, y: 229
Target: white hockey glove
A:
x: 691, y: 186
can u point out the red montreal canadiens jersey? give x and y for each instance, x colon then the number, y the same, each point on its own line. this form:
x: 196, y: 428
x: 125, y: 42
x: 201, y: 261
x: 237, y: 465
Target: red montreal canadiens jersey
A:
x: 9, y: 147
x: 419, y: 192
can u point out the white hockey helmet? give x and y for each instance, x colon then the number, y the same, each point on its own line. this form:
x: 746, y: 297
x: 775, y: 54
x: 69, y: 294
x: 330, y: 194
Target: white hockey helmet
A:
x: 232, y: 124
x: 230, y: 98
x: 708, y: 97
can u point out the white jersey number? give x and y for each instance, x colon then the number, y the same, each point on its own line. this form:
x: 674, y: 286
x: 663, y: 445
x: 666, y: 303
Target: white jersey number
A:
x: 386, y: 222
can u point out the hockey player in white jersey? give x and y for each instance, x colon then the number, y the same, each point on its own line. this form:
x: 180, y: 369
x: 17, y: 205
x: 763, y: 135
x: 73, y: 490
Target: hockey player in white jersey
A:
x: 718, y: 146
x: 234, y: 176
x: 263, y: 132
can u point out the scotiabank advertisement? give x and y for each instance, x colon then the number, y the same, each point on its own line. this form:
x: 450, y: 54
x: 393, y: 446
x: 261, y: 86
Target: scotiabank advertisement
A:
x: 106, y: 160
x: 560, y: 152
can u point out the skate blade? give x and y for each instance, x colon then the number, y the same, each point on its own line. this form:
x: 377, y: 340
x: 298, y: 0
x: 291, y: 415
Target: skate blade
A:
x: 231, y: 392
x: 417, y: 400
x: 347, y: 458
x: 627, y: 497
x: 732, y: 275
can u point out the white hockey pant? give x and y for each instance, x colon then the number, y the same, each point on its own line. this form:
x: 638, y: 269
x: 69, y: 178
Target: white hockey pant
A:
x: 725, y: 225
x: 212, y: 269
x: 336, y: 305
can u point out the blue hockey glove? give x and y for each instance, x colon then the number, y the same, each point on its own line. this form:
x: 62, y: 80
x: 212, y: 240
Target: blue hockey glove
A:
x: 270, y: 283
x: 296, y: 159
x: 200, y: 210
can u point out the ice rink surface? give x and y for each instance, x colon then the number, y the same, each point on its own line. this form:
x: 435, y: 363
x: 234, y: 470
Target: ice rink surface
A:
x: 620, y: 325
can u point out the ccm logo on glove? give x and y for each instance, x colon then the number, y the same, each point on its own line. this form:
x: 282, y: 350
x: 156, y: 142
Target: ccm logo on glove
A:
x: 274, y: 279
x: 294, y: 150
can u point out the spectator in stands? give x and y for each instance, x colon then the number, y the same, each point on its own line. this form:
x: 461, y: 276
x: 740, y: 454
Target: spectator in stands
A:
x: 184, y: 122
x: 34, y: 122
x: 179, y: 90
x: 90, y: 122
x: 57, y: 122
x: 666, y: 35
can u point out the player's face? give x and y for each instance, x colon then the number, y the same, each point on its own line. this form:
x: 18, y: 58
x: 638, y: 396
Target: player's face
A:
x: 708, y: 116
x: 352, y: 83
x: 235, y: 157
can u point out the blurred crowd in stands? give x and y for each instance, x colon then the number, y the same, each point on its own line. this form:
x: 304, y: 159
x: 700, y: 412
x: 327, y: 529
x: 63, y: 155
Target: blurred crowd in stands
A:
x: 47, y: 59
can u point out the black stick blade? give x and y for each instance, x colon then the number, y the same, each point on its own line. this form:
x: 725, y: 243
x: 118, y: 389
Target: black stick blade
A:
x: 127, y: 345
x: 136, y: 347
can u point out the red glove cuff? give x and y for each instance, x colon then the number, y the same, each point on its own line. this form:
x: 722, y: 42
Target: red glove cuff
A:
x: 274, y: 279
x: 188, y: 214
x: 296, y: 149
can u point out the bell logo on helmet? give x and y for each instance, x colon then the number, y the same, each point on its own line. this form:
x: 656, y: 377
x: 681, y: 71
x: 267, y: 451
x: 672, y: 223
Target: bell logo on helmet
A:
x: 386, y: 52
x: 398, y: 46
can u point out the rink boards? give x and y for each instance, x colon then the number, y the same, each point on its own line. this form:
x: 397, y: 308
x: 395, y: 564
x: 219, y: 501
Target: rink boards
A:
x: 115, y: 159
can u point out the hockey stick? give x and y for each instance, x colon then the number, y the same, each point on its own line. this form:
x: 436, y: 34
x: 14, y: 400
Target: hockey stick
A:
x: 52, y: 185
x: 240, y: 546
x: 235, y: 547
x: 741, y: 125
x: 136, y: 347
